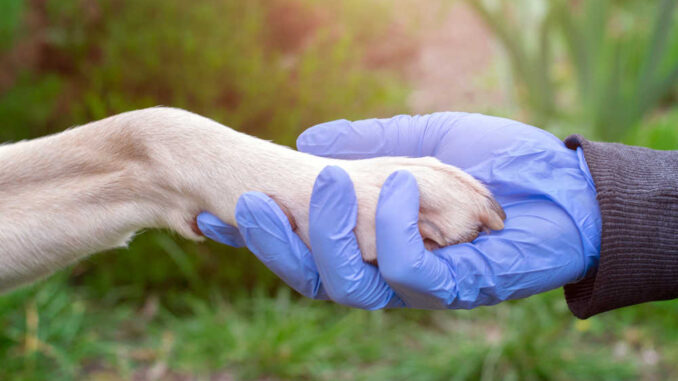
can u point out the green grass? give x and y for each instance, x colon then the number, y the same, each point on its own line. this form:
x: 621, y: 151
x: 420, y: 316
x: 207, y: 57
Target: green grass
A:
x: 56, y: 331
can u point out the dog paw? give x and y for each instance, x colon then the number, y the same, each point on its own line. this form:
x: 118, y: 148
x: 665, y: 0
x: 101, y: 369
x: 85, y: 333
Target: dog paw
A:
x: 216, y: 165
x: 454, y: 207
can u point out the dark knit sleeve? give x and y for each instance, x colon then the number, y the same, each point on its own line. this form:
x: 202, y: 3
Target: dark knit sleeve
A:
x: 638, y: 196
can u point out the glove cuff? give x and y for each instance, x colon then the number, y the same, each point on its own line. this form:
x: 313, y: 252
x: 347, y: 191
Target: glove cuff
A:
x: 637, y: 190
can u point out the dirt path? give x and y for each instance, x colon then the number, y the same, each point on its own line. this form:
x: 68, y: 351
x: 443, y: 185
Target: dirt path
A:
x: 455, y: 64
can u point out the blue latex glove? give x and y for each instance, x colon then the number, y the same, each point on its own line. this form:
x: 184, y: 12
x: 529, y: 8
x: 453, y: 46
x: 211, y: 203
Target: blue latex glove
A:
x: 551, y: 235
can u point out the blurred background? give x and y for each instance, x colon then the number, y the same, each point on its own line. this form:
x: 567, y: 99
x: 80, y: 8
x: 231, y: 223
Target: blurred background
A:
x: 168, y: 309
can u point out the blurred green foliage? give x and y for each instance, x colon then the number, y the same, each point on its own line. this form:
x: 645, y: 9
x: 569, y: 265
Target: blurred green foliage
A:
x: 600, y: 65
x: 267, y: 68
x: 272, y: 68
x: 659, y: 131
x: 56, y: 331
x: 10, y: 21
x: 229, y: 60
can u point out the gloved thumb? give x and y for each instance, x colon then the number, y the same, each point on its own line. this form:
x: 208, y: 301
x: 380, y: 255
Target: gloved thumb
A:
x: 402, y: 135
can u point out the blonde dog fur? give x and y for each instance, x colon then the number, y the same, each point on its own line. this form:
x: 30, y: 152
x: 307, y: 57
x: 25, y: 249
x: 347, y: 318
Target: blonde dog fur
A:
x: 90, y: 188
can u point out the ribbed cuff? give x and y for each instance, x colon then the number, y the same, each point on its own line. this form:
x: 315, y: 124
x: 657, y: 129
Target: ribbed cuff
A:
x: 637, y: 191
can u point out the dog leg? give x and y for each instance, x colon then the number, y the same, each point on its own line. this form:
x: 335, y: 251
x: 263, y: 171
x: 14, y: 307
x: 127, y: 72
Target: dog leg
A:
x: 89, y: 189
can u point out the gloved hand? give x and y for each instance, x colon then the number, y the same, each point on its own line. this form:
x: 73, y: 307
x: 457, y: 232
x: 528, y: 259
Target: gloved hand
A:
x: 551, y: 235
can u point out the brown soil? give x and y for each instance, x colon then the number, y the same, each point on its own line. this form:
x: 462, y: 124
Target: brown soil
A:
x: 455, y: 54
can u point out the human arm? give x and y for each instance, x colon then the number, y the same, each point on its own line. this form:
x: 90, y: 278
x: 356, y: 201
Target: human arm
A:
x: 638, y: 196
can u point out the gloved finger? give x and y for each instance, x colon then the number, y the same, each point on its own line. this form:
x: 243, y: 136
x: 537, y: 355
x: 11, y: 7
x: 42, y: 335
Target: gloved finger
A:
x: 347, y: 278
x: 539, y: 249
x: 402, y: 135
x: 268, y: 234
x: 215, y: 229
x: 418, y: 276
